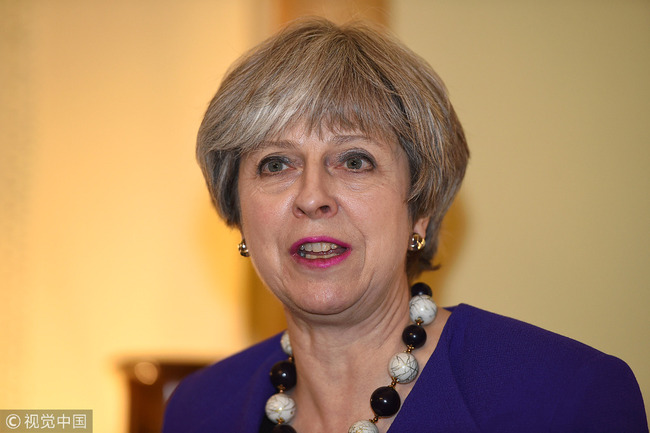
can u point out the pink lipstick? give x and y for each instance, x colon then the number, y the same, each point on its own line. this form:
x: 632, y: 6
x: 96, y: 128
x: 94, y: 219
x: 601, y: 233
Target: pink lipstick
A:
x: 319, y: 251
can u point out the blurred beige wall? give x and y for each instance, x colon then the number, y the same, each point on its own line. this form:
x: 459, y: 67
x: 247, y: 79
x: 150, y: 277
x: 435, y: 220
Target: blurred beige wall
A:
x: 552, y: 223
x: 110, y: 248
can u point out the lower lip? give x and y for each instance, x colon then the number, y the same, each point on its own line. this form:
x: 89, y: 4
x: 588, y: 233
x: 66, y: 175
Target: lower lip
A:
x: 322, y: 263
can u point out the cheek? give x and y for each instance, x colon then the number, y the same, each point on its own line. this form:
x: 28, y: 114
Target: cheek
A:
x: 383, y: 214
x: 395, y: 222
x: 260, y: 214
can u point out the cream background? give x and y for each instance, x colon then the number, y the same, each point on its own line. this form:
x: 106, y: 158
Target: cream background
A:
x: 110, y: 248
x: 551, y: 226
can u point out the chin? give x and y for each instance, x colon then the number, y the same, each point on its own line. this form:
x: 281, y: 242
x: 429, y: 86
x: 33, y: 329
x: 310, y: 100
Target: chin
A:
x: 323, y: 302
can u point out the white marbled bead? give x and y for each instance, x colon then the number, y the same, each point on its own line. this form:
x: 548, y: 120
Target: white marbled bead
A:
x: 286, y: 344
x: 403, y: 367
x: 280, y: 406
x: 363, y: 426
x: 422, y: 307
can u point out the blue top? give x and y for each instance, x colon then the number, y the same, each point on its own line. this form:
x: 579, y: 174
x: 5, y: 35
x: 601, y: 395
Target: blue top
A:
x: 489, y: 373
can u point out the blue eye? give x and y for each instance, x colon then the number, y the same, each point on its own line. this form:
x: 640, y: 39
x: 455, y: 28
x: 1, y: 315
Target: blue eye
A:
x: 275, y: 166
x: 272, y: 165
x: 354, y: 163
x: 358, y: 163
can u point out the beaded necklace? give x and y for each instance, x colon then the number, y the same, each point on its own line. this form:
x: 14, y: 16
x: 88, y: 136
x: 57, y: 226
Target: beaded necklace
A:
x: 384, y: 401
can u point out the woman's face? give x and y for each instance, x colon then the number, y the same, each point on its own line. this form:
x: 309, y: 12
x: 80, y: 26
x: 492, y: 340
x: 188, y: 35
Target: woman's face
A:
x: 326, y: 220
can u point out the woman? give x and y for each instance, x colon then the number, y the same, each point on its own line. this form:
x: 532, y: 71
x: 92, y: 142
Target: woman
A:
x: 336, y: 152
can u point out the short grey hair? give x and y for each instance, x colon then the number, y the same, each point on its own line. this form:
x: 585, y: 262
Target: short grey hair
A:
x: 350, y: 77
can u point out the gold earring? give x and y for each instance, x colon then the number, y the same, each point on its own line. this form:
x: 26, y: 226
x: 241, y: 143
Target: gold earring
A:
x: 243, y: 249
x: 417, y: 242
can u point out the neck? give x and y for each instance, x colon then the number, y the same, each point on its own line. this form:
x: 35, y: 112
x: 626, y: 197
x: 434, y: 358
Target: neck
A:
x: 362, y: 326
x: 340, y: 363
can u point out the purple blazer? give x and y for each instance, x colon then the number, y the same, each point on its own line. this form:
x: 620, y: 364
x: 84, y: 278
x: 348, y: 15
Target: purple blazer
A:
x: 489, y: 373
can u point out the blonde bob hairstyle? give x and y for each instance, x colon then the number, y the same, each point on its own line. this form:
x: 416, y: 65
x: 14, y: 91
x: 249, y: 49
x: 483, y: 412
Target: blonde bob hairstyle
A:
x: 349, y: 77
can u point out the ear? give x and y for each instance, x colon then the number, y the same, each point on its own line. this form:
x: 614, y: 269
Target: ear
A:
x: 420, y: 226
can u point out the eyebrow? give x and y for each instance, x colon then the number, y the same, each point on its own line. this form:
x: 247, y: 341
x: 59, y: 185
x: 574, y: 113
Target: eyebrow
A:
x: 337, y: 140
x: 284, y: 144
x: 342, y: 139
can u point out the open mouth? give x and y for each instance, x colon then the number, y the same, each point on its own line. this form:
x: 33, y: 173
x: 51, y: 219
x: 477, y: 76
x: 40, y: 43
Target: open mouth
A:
x: 320, y: 250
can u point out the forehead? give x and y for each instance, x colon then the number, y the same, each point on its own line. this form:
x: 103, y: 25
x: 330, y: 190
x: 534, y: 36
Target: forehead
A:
x: 298, y: 134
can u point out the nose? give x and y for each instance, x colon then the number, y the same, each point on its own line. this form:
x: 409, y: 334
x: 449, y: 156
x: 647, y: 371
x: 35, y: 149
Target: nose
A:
x: 315, y: 198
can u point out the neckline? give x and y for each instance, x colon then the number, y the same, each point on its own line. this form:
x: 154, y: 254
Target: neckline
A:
x: 436, y: 355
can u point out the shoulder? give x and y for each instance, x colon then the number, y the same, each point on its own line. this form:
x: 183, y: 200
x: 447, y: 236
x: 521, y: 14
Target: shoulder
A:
x: 481, y: 333
x: 506, y: 366
x: 216, y: 396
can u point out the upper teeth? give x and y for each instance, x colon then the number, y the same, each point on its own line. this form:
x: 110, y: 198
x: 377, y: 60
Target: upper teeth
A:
x: 317, y: 247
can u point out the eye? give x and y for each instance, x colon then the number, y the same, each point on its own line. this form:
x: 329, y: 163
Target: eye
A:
x: 357, y: 162
x: 272, y: 165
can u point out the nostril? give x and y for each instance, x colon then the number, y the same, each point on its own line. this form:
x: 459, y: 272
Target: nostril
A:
x: 320, y: 211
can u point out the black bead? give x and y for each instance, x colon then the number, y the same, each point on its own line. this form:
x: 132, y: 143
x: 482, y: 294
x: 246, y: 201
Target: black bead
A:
x: 283, y: 428
x: 414, y: 335
x: 283, y: 375
x: 421, y: 289
x: 385, y: 401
